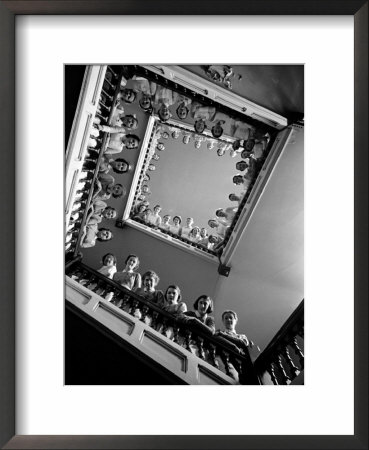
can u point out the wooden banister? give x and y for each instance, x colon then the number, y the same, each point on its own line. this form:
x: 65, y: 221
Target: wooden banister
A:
x: 98, y: 161
x: 161, y: 321
x: 276, y: 358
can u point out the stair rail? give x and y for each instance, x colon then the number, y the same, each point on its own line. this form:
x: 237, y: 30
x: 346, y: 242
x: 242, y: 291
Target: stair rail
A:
x: 82, y: 199
x: 282, y: 361
x: 218, y: 352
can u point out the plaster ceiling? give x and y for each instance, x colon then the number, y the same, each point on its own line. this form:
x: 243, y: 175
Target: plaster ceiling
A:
x: 279, y: 88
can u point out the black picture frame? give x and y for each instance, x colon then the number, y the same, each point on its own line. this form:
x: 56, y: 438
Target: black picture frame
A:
x: 8, y: 11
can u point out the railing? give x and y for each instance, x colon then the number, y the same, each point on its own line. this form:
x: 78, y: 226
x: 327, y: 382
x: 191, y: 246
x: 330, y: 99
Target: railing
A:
x: 84, y: 180
x: 282, y: 362
x: 211, y: 355
x: 181, y: 80
x: 131, y: 206
x: 262, y: 171
x: 176, y: 236
x: 79, y: 198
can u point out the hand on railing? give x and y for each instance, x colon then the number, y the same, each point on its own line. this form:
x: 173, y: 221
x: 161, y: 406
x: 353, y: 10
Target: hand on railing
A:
x: 238, y: 347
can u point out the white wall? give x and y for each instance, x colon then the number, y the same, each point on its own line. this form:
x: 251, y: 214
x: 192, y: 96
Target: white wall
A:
x: 266, y: 281
x: 194, y: 275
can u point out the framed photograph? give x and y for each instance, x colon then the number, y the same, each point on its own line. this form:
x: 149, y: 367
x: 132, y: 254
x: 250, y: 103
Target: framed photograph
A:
x: 202, y: 227
x: 153, y: 134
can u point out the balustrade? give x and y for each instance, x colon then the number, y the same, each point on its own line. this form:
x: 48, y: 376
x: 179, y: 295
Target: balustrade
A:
x: 202, y: 247
x: 95, y: 150
x: 280, y: 363
x: 206, y: 347
x: 292, y: 368
x: 283, y: 359
x: 298, y: 352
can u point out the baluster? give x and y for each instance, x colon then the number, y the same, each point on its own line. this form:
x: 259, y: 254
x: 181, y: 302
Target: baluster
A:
x: 103, y: 104
x: 120, y: 300
x: 77, y: 223
x: 115, y: 75
x: 176, y: 333
x: 93, y: 152
x: 111, y: 297
x: 70, y: 245
x: 74, y: 273
x: 154, y: 320
x: 82, y: 197
x: 107, y: 95
x: 133, y: 307
x: 100, y: 287
x: 285, y: 378
x: 272, y: 374
x: 200, y: 347
x: 71, y: 227
x: 225, y: 358
x: 115, y: 297
x: 125, y: 301
x: 77, y: 215
x: 298, y: 352
x: 89, y: 165
x: 79, y: 205
x: 289, y: 361
x: 73, y: 234
x: 104, y: 118
x: 88, y: 176
x: 188, y: 341
x: 108, y: 82
x: 164, y: 329
x: 79, y: 194
x: 145, y: 310
x: 212, y: 356
x: 92, y: 156
x: 92, y: 284
x: 137, y: 312
x: 239, y: 367
x: 84, y: 278
x: 76, y: 229
x: 103, y: 288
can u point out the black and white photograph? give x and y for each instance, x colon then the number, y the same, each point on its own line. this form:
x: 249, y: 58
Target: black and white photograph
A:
x: 184, y: 224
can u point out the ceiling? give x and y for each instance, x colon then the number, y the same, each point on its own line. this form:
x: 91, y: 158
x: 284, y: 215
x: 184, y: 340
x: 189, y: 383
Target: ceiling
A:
x: 279, y: 88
